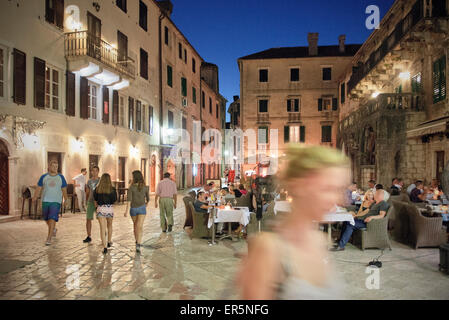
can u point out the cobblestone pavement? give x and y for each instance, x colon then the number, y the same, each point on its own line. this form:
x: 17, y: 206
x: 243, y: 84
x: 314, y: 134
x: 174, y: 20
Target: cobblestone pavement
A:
x: 172, y: 266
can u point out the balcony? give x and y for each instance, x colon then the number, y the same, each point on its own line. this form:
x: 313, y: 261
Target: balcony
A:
x: 294, y: 117
x: 263, y: 118
x: 82, y: 44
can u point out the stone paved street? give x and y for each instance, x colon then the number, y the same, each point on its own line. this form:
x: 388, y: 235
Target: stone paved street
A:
x: 172, y: 266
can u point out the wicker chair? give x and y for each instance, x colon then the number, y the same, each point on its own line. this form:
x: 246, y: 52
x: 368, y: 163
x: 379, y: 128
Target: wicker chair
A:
x: 425, y: 231
x: 189, y: 215
x: 200, y: 220
x: 266, y: 222
x: 244, y: 201
x: 376, y: 233
x: 401, y: 222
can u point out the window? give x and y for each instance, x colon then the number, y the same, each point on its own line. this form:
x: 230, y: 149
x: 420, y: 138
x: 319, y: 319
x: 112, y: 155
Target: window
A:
x: 185, y: 56
x: 286, y: 134
x: 170, y: 119
x: 143, y: 64
x: 144, y: 118
x: 263, y: 106
x: 294, y: 134
x: 327, y: 74
x: 326, y: 134
x: 169, y: 76
x: 194, y: 95
x: 122, y: 51
x: 293, y: 105
x: 193, y: 65
x: 150, y: 120
x: 166, y: 35
x: 138, y: 115
x: 122, y: 111
x: 294, y: 75
x: 54, y: 12
x: 143, y: 16
x: 210, y: 105
x: 203, y: 99
x: 2, y: 72
x: 19, y: 78
x: 417, y: 83
x: 130, y: 113
x: 52, y: 88
x: 92, y: 90
x: 184, y: 87
x: 216, y: 109
x: 439, y: 80
x: 326, y: 103
x: 263, y: 135
x: 263, y: 75
x: 180, y: 50
x: 121, y: 4
x: 343, y: 93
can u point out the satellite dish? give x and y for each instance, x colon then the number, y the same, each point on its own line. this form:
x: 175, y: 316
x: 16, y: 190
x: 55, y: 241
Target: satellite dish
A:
x: 445, y: 180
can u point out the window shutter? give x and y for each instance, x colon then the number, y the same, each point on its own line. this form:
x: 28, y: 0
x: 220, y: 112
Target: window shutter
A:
x: 59, y: 13
x: 296, y: 105
x: 130, y: 113
x: 194, y: 94
x: 49, y: 11
x: 150, y: 122
x: 184, y: 87
x: 334, y: 104
x: 84, y: 98
x: 286, y: 134
x: 302, y: 134
x: 19, y: 81
x: 39, y: 83
x: 289, y: 105
x: 343, y: 93
x: 106, y: 105
x: 115, y: 108
x: 320, y: 104
x: 443, y: 78
x: 169, y: 76
x: 70, y: 94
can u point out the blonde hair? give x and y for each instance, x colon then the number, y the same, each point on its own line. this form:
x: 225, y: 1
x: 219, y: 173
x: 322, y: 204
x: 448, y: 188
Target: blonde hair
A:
x: 105, y: 185
x: 303, y: 160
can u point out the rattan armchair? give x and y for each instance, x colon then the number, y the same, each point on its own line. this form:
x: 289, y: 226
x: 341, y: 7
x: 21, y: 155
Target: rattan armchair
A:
x: 376, y: 233
x: 200, y: 220
x: 189, y: 215
x: 243, y: 201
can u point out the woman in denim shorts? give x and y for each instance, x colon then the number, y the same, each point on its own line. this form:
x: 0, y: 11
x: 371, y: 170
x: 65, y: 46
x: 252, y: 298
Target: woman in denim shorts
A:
x: 105, y: 196
x: 139, y: 198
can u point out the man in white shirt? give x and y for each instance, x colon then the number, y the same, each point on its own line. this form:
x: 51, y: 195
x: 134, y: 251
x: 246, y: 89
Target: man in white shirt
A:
x: 79, y: 182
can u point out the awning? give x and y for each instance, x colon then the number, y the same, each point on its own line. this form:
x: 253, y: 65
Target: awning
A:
x: 436, y: 126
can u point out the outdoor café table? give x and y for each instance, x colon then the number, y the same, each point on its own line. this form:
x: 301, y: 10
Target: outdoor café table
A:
x: 240, y: 215
x: 340, y: 215
x: 283, y: 206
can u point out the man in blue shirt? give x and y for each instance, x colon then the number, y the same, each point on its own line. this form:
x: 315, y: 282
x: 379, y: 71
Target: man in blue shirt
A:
x: 53, y: 187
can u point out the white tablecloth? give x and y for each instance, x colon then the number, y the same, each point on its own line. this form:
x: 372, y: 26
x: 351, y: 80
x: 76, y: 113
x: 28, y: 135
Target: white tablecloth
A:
x: 283, y: 206
x: 339, y: 217
x: 241, y: 216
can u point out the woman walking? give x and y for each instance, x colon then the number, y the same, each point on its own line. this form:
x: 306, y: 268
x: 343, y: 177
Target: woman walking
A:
x: 139, y: 198
x: 105, y: 196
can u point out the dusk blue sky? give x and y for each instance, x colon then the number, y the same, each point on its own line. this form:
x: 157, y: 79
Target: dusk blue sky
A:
x: 223, y: 31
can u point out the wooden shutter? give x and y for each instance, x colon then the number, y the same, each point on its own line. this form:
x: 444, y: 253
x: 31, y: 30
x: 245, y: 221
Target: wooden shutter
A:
x: 59, y: 13
x: 343, y: 93
x: 106, y: 108
x: 130, y: 113
x: 70, y: 94
x: 296, y: 105
x: 169, y: 76
x: 138, y: 115
x: 286, y: 134
x: 39, y: 83
x: 19, y: 81
x: 289, y: 105
x: 49, y: 11
x: 302, y: 134
x: 334, y: 104
x: 143, y: 64
x: 115, y: 108
x: 84, y: 98
x: 320, y: 104
x: 150, y: 121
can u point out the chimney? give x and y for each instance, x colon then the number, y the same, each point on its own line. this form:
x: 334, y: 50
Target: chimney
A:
x: 341, y: 43
x: 313, y: 44
x: 166, y: 6
x: 236, y: 98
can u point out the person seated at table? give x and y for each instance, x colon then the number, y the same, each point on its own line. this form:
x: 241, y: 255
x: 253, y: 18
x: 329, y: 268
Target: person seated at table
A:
x: 201, y: 204
x: 411, y: 187
x: 376, y: 211
x: 419, y: 194
x: 368, y: 201
x: 234, y: 191
x: 372, y: 186
x: 396, y: 186
x: 242, y: 189
x: 386, y: 193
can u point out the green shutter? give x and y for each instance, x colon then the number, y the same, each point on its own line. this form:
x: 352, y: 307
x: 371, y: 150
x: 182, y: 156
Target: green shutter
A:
x: 169, y: 76
x: 334, y: 104
x: 302, y: 134
x: 296, y: 105
x: 320, y: 104
x: 184, y: 87
x: 286, y: 134
x: 289, y: 105
x: 194, y: 94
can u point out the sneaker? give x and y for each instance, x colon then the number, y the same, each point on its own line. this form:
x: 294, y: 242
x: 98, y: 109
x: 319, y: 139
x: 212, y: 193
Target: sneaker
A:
x: 164, y: 230
x: 87, y: 240
x: 169, y: 228
x: 109, y: 244
x: 337, y: 248
x: 138, y: 248
x: 48, y: 243
x: 105, y: 250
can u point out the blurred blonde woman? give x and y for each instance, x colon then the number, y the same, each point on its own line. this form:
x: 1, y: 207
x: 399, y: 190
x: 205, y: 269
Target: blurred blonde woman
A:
x: 368, y: 201
x: 291, y: 262
x: 138, y: 200
x: 105, y: 196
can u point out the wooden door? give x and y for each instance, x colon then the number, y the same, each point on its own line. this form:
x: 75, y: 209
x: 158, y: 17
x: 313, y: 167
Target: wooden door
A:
x: 55, y: 156
x: 4, y: 180
x: 94, y: 36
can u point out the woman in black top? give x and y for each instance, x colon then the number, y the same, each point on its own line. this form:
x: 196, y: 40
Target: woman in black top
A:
x: 105, y: 196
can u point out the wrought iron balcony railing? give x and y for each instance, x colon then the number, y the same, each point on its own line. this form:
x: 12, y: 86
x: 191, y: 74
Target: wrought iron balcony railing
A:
x: 294, y: 117
x: 82, y: 43
x: 263, y: 118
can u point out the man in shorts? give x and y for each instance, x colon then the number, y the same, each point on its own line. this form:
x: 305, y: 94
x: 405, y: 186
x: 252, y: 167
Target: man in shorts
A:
x: 91, y: 185
x: 53, y: 187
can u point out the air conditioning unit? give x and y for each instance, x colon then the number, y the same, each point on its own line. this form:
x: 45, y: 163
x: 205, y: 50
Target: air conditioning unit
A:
x: 184, y: 102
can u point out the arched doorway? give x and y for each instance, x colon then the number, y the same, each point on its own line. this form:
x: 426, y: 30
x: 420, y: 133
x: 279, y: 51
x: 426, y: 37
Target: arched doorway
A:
x: 4, y: 179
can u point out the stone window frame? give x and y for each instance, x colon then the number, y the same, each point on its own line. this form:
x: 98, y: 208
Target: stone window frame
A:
x: 258, y: 74
x: 290, y: 74
x: 322, y: 71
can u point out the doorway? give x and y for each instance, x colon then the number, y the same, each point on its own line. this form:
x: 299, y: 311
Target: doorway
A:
x: 57, y: 156
x: 4, y: 179
x: 439, y: 164
x: 93, y: 161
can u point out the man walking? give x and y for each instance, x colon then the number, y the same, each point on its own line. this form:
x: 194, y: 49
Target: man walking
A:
x: 166, y: 193
x: 79, y: 182
x: 53, y: 187
x: 91, y: 185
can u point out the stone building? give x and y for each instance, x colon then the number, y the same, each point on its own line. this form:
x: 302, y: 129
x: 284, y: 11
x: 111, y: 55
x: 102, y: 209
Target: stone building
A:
x: 290, y: 95
x: 393, y: 105
x: 86, y: 84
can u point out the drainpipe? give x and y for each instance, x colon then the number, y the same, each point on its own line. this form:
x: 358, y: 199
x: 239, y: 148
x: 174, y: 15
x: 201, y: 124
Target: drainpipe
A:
x: 161, y: 101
